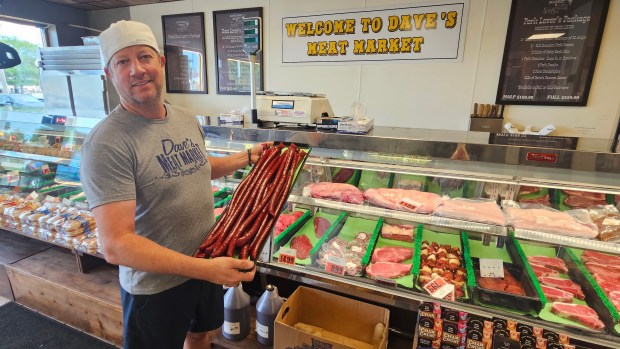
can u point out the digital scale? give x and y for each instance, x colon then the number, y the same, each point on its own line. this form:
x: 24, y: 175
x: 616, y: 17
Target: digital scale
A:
x: 292, y: 107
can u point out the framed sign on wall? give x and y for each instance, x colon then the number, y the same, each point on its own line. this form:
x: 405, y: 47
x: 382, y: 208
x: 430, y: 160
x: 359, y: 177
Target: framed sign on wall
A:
x: 231, y: 63
x: 551, y: 51
x: 184, y: 48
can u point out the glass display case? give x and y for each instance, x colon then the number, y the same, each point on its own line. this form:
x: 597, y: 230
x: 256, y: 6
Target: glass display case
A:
x: 452, y: 166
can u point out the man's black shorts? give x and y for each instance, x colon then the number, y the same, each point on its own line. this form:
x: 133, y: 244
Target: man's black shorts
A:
x: 162, y: 320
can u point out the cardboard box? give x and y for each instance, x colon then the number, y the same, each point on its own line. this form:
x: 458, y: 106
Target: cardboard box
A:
x: 486, y: 124
x: 359, y: 126
x: 328, y: 123
x: 336, y: 314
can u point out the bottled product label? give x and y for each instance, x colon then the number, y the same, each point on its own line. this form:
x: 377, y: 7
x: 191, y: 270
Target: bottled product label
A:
x: 232, y: 327
x: 45, y: 169
x: 262, y: 330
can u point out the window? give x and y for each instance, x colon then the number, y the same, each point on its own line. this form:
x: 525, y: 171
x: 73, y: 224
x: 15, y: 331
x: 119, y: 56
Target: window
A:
x: 24, y: 78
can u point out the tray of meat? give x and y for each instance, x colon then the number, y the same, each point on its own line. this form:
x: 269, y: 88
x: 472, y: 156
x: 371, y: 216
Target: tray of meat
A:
x: 568, y: 299
x: 533, y: 195
x: 342, y: 192
x: 607, y: 219
x: 403, y: 199
x: 392, y: 258
x: 564, y: 199
x: 439, y: 254
x: 306, y: 233
x: 252, y: 212
x: 602, y: 271
x: 344, y: 175
x: 515, y: 292
x: 353, y: 243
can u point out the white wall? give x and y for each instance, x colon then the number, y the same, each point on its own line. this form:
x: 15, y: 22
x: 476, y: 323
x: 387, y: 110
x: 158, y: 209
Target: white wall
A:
x: 418, y: 95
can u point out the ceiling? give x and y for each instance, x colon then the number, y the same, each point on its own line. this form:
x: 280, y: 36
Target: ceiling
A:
x: 104, y: 4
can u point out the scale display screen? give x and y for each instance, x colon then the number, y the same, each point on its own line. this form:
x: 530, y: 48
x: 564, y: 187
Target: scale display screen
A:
x: 282, y: 104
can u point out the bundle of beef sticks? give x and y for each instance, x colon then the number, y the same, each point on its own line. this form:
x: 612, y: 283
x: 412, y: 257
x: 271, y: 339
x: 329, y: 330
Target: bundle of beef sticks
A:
x: 255, y: 205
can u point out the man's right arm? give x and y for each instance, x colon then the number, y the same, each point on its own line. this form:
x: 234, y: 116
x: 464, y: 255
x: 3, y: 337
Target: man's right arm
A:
x: 122, y: 246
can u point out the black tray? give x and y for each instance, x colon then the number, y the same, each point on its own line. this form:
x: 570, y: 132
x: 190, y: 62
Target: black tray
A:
x: 528, y: 303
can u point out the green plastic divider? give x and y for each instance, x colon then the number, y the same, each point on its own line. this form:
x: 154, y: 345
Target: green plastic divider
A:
x: 45, y: 190
x: 469, y: 265
x: 372, y: 242
x: 67, y: 195
x: 328, y: 232
x: 222, y: 202
x: 416, y: 251
x: 221, y: 191
x: 529, y: 270
x: 295, y: 224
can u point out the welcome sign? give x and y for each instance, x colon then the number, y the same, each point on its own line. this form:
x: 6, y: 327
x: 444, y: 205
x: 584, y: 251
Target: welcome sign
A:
x: 415, y: 33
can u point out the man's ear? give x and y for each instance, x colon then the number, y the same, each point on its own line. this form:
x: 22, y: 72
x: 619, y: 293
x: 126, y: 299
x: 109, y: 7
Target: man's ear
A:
x: 162, y: 59
x: 107, y: 71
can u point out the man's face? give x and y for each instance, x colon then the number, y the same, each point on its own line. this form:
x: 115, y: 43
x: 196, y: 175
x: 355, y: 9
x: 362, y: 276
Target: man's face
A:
x: 137, y: 72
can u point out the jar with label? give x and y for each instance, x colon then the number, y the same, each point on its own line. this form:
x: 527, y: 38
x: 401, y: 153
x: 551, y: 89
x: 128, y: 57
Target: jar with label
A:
x: 236, y: 314
x: 267, y: 309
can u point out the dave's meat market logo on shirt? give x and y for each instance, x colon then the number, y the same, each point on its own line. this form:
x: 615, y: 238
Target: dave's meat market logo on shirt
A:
x: 180, y: 158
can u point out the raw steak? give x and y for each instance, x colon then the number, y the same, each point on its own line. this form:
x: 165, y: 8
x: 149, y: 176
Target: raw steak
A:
x: 543, y: 200
x: 549, y: 262
x: 397, y: 232
x: 556, y: 295
x: 320, y: 226
x: 285, y: 220
x: 302, y: 245
x: 598, y: 267
x: 388, y: 270
x: 508, y: 283
x: 391, y: 254
x: 579, y: 313
x: 218, y: 211
x: 549, y: 221
x: 603, y: 273
x: 527, y: 189
x: 564, y: 284
x: 541, y: 270
x: 334, y: 191
x: 343, y: 175
x: 598, y: 257
x: 484, y: 211
x: 585, y: 194
x: 607, y: 286
x: 403, y: 200
x: 583, y: 202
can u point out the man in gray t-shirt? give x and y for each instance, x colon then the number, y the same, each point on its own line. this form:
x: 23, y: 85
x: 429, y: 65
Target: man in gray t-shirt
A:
x: 147, y: 178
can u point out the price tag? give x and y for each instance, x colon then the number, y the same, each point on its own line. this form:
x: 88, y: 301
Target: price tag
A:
x: 409, y: 204
x: 335, y: 265
x: 45, y: 169
x: 32, y: 196
x: 439, y: 288
x: 287, y: 255
x: 385, y: 281
x: 491, y: 268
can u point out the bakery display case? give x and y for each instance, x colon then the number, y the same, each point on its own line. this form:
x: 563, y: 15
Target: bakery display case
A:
x: 363, y: 204
x: 40, y: 191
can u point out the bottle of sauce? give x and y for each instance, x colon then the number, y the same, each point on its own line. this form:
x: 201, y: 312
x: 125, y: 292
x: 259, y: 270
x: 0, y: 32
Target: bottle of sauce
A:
x: 236, y: 314
x: 267, y: 309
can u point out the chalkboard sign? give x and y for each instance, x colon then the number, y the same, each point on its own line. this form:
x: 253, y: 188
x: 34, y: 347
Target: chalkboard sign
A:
x: 550, y: 52
x: 232, y: 64
x: 184, y: 48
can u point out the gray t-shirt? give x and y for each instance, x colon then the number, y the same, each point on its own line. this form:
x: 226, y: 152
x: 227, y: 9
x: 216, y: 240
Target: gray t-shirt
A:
x: 162, y: 165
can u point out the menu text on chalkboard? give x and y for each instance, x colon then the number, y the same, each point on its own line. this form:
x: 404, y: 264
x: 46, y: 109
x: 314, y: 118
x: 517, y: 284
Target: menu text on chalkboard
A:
x: 551, y: 51
x: 232, y: 63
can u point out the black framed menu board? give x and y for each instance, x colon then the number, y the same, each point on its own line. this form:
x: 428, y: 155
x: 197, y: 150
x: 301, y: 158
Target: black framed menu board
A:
x: 184, y: 48
x: 232, y: 64
x: 550, y: 52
